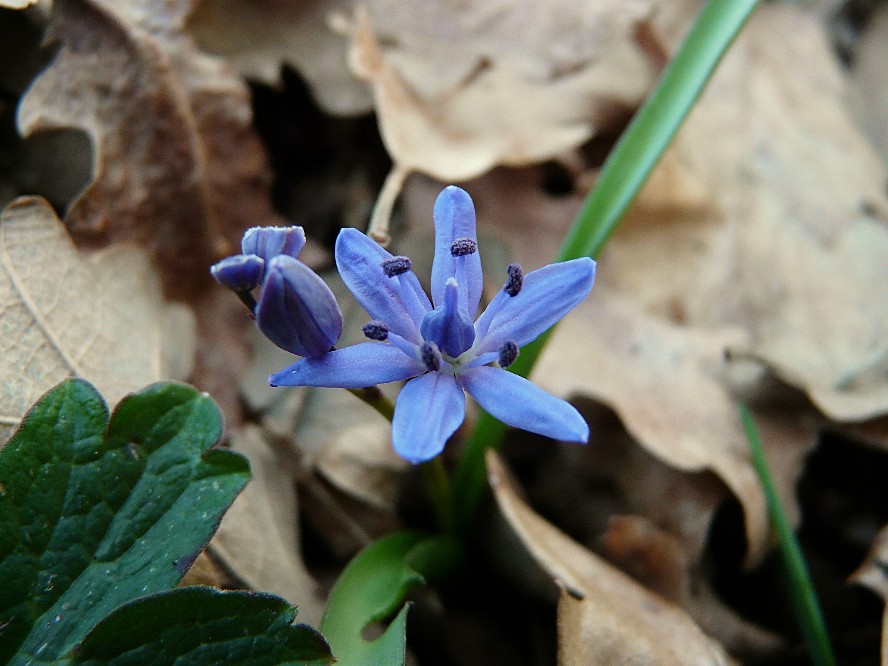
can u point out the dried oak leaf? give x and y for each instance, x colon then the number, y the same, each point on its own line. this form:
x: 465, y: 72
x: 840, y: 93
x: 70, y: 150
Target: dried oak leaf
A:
x: 670, y: 387
x: 102, y: 317
x: 257, y: 539
x: 604, y: 616
x: 176, y: 164
x: 796, y: 251
x: 458, y: 90
x: 258, y: 37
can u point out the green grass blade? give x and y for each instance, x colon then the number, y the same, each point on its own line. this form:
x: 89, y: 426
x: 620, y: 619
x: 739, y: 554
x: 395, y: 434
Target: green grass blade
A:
x: 804, y: 600
x: 622, y: 176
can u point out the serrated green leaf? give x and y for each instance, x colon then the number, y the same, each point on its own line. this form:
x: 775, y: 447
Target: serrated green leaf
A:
x: 196, y: 626
x: 371, y: 588
x: 94, y: 515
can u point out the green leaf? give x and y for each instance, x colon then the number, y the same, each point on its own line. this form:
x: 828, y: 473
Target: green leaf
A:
x: 201, y: 625
x: 95, y: 514
x: 370, y: 589
x: 801, y: 588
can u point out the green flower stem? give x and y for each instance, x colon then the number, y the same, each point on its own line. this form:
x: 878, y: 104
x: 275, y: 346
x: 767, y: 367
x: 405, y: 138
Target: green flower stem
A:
x: 438, y: 484
x: 621, y: 178
x: 374, y: 397
x: 804, y: 599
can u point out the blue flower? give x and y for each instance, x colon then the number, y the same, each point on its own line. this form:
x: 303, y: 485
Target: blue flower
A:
x: 438, y: 348
x: 296, y: 309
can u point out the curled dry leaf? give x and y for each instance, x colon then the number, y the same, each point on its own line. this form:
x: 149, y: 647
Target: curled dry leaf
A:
x: 604, y: 617
x: 663, y: 382
x: 176, y: 165
x: 258, y: 37
x: 102, y: 318
x: 257, y: 539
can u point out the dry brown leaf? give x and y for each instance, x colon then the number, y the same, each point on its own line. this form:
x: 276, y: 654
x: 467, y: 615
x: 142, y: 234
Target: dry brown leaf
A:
x: 873, y: 573
x: 102, y: 318
x: 258, y: 538
x: 176, y: 164
x: 661, y: 563
x: 870, y: 79
x: 664, y: 383
x: 258, y: 37
x: 796, y: 253
x: 605, y: 617
x: 458, y: 91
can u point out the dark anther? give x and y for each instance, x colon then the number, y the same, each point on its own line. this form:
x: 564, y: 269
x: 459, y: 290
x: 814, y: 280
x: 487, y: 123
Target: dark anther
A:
x: 508, y: 352
x: 463, y: 246
x: 516, y: 280
x: 376, y: 330
x: 431, y: 357
x: 396, y: 266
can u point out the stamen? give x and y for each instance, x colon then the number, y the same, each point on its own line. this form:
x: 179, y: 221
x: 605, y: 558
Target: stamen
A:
x: 376, y: 330
x: 431, y: 357
x: 396, y: 266
x: 463, y: 246
x: 516, y: 280
x: 508, y: 352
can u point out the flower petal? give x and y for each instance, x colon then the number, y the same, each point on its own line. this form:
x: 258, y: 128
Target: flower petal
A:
x: 358, y: 366
x: 546, y: 296
x: 429, y: 410
x: 240, y: 272
x: 519, y: 403
x: 454, y: 216
x: 398, y: 301
x: 269, y: 242
x: 296, y: 310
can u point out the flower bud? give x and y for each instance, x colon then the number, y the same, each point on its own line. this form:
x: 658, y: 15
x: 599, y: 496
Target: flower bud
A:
x: 241, y: 273
x: 296, y: 310
x: 269, y: 242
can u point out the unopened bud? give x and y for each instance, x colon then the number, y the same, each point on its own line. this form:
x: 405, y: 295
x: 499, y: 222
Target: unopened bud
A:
x: 270, y: 242
x: 241, y: 273
x: 296, y: 310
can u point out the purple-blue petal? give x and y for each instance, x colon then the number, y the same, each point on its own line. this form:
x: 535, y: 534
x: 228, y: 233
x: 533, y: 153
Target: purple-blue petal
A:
x: 269, y: 242
x: 429, y: 410
x: 398, y: 301
x: 546, y: 296
x: 520, y: 404
x: 454, y: 216
x: 358, y: 366
x: 241, y: 272
x: 296, y: 309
